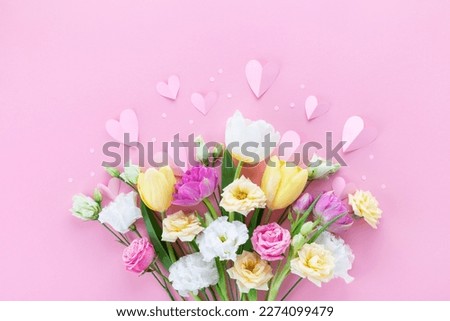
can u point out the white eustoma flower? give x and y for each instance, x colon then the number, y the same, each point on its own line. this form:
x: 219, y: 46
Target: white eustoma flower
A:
x: 130, y: 174
x: 342, y: 253
x: 321, y: 168
x: 121, y: 213
x: 191, y: 273
x: 245, y: 138
x: 85, y: 207
x: 222, y: 239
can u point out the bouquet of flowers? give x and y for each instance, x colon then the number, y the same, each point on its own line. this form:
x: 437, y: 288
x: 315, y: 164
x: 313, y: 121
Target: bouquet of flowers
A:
x: 234, y: 239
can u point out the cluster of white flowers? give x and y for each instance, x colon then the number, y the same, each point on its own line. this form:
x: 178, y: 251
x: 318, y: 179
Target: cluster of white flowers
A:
x: 191, y: 273
x: 222, y: 239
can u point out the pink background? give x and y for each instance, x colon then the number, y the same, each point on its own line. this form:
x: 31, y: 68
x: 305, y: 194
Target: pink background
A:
x: 68, y: 66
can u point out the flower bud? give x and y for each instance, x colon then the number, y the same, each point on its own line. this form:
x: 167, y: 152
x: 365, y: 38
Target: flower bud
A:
x: 297, y: 242
x: 306, y: 228
x: 85, y: 208
x: 218, y: 151
x: 202, y: 153
x: 302, y: 203
x: 130, y: 174
x: 321, y: 168
x: 97, y: 196
x: 114, y: 172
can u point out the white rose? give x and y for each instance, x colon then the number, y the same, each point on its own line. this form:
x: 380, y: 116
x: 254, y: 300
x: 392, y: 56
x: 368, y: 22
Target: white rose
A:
x: 182, y: 226
x: 245, y: 138
x: 222, y: 239
x: 242, y: 196
x: 121, y: 213
x: 85, y: 207
x: 342, y: 253
x: 191, y: 273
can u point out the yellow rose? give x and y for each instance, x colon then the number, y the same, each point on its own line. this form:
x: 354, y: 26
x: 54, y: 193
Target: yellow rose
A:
x: 242, y: 196
x: 315, y: 263
x: 250, y: 272
x: 156, y: 188
x: 365, y: 205
x: 282, y: 183
x: 182, y: 226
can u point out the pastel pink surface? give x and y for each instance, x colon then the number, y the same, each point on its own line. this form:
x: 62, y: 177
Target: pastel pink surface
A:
x: 128, y: 123
x: 66, y: 67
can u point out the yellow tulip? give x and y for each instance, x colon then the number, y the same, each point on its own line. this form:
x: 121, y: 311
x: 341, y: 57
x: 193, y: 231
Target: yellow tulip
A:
x: 156, y: 188
x: 282, y: 183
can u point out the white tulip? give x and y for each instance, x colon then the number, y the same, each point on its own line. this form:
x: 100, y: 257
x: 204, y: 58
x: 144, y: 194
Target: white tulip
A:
x: 244, y: 138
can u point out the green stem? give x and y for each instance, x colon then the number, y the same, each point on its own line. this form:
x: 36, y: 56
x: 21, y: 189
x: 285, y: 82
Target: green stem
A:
x: 284, y: 216
x: 172, y: 255
x: 277, y: 281
x: 291, y: 289
x: 165, y: 280
x: 222, y: 285
x: 268, y: 215
x: 205, y: 294
x: 115, y: 235
x: 135, y: 230
x: 196, y: 297
x: 210, y: 208
x: 212, y: 293
x: 237, y: 173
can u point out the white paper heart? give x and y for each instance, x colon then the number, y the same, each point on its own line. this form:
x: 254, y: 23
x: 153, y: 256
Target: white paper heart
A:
x: 261, y: 77
x: 357, y: 134
x: 286, y: 153
x: 169, y: 89
x: 341, y: 188
x: 128, y: 123
x: 204, y: 103
x: 315, y: 109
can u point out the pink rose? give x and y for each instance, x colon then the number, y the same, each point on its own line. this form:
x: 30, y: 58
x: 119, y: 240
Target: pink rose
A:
x: 138, y: 255
x: 271, y: 241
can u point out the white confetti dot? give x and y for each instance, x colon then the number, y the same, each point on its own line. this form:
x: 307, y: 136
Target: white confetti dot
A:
x: 277, y: 108
x: 92, y: 174
x: 292, y: 105
x: 383, y: 186
x: 302, y: 86
x: 164, y: 115
x: 363, y: 177
x: 191, y: 121
x: 220, y: 71
x: 371, y: 156
x: 212, y: 79
x: 91, y: 150
x: 153, y: 139
x: 229, y: 95
x: 70, y: 180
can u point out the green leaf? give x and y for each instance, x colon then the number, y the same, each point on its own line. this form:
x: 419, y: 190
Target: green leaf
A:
x: 323, y: 228
x: 221, y: 284
x: 254, y: 222
x: 252, y: 295
x: 228, y: 169
x: 300, y: 220
x: 154, y: 232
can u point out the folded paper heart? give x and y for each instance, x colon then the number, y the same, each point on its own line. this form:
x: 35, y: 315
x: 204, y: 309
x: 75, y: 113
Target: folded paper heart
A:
x: 204, y: 103
x: 127, y: 123
x: 169, y: 89
x: 341, y: 188
x: 357, y: 133
x: 114, y: 187
x: 261, y: 77
x: 288, y: 145
x: 314, y: 108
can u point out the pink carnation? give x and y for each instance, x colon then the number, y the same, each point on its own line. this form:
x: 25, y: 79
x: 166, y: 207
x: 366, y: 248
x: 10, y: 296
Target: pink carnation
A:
x: 138, y: 255
x: 271, y: 241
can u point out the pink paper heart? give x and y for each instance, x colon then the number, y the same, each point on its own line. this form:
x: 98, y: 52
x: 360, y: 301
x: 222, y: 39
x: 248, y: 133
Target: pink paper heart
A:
x: 204, y: 103
x: 115, y: 187
x: 169, y: 89
x: 288, y: 137
x: 341, y: 188
x: 260, y: 77
x: 128, y: 123
x: 315, y: 109
x: 357, y: 134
